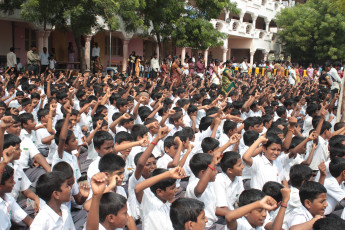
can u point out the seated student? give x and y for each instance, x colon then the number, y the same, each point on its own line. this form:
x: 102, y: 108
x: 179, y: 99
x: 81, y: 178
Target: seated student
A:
x: 44, y: 135
x: 299, y: 174
x: 264, y: 167
x: 188, y: 214
x: 175, y: 122
x: 333, y: 184
x: 103, y: 143
x: 172, y: 149
x: 229, y: 129
x: 113, y: 167
x: 329, y: 223
x: 201, y: 187
x: 252, y: 212
x: 156, y: 203
x: 153, y: 126
x: 313, y: 197
x: 281, y: 195
x: 9, y: 209
x: 53, y: 189
x: 122, y: 122
x: 29, y: 153
x: 107, y: 210
x: 210, y: 145
x: 229, y: 184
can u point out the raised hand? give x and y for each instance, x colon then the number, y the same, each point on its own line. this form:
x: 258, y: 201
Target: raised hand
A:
x: 163, y: 132
x: 126, y: 116
x: 84, y: 189
x: 8, y: 154
x: 268, y: 203
x: 285, y: 194
x: 322, y: 168
x: 234, y: 138
x: 6, y: 122
x: 98, y: 183
x: 177, y: 173
x: 67, y: 107
x: 99, y: 124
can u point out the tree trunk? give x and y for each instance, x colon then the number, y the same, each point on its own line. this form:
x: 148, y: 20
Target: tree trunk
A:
x: 81, y: 52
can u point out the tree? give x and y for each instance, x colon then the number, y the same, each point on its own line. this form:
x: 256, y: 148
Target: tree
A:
x: 313, y: 32
x: 81, y: 16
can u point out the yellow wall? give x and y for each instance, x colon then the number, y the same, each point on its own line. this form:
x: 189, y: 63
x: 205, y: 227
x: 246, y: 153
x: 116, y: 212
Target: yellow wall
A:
x: 100, y: 39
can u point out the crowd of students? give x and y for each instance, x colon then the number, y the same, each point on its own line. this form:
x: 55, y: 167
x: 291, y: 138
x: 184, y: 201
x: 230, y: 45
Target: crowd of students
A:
x: 82, y: 151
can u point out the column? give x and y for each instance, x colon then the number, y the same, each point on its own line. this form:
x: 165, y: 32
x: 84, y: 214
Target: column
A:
x: 206, y: 57
x: 183, y: 55
x: 125, y: 55
x: 227, y: 15
x: 252, y: 58
x: 265, y: 55
x: 225, y: 51
x: 254, y: 21
x: 39, y: 36
x: 157, y: 50
x: 87, y: 51
x: 267, y: 22
x: 229, y: 52
x: 45, y: 38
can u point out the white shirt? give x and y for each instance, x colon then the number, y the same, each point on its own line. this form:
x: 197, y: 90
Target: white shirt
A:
x: 132, y: 202
x: 93, y: 168
x: 95, y: 51
x: 48, y: 219
x: 11, y: 59
x: 335, y: 194
x: 263, y: 171
x: 130, y: 165
x: 156, y: 214
x: 10, y: 210
x: 336, y: 80
x: 320, y: 154
x: 208, y: 197
x: 22, y: 181
x: 243, y: 224
x: 164, y: 161
x: 44, y: 58
x: 227, y: 191
x: 40, y: 134
x: 299, y: 216
x: 29, y: 151
x: 155, y: 64
x: 72, y: 160
x: 294, y: 202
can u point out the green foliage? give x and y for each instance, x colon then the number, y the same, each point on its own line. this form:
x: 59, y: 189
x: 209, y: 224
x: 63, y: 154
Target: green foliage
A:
x: 313, y: 32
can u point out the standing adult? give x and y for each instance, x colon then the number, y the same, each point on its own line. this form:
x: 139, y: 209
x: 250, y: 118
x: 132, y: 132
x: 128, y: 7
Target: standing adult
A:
x: 245, y: 66
x: 70, y: 55
x: 154, y: 66
x: 176, y: 71
x: 333, y: 73
x: 44, y: 56
x: 200, y: 68
x: 131, y: 62
x: 95, y: 51
x: 33, y: 60
x: 11, y: 59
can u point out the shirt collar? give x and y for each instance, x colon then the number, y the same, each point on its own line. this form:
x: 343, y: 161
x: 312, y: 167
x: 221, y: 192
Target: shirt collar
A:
x: 266, y: 161
x: 51, y: 213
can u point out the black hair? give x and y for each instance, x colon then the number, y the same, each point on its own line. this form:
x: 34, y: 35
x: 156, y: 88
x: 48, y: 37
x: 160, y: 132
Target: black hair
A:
x: 138, y: 155
x: 272, y: 188
x: 168, y: 142
x: 7, y: 173
x: 100, y: 137
x: 175, y: 117
x: 228, y: 160
x: 337, y: 166
x: 281, y: 110
x: 163, y: 184
x: 25, y: 117
x: 311, y: 109
x: 49, y: 183
x: 110, y: 203
x: 337, y: 150
x: 110, y: 163
x: 295, y: 141
x: 183, y: 135
x: 100, y: 108
x: 205, y: 122
x: 123, y: 136
x: 272, y: 139
x: 138, y: 130
x: 249, y: 137
x: 329, y: 223
x: 300, y: 173
x: 123, y: 121
x: 11, y: 140
x: 121, y: 102
x: 200, y: 162
x: 209, y: 144
x: 325, y: 126
x: 338, y: 125
x: 192, y: 109
x: 310, y: 190
x: 64, y: 167
x: 183, y: 210
x: 250, y: 196
x: 26, y: 101
x: 229, y: 125
x: 41, y: 113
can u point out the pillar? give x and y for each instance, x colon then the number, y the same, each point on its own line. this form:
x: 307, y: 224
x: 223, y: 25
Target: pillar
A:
x: 87, y: 51
x: 46, y: 38
x: 229, y: 52
x: 252, y: 58
x: 267, y: 22
x: 157, y: 50
x: 241, y: 17
x: 265, y: 56
x: 125, y: 55
x: 39, y: 36
x: 227, y: 15
x: 225, y: 52
x: 183, y: 55
x: 206, y: 57
x: 254, y: 21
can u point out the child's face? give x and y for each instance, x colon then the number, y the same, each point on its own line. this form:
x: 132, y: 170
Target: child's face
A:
x: 272, y: 151
x: 256, y: 217
x: 172, y: 150
x: 8, y: 186
x: 179, y: 122
x: 123, y: 109
x: 14, y: 129
x: 73, y: 120
x: 17, y: 152
x: 35, y: 102
x: 121, y: 218
x: 151, y: 164
x: 105, y: 148
x: 259, y: 127
x: 168, y: 194
x: 65, y: 194
x: 70, y: 181
x: 120, y: 174
x: 126, y: 151
x: 105, y: 113
x: 72, y: 144
x: 128, y: 125
x: 30, y: 125
x: 200, y: 221
x: 318, y: 206
x: 238, y: 168
x: 2, y: 111
x: 154, y: 127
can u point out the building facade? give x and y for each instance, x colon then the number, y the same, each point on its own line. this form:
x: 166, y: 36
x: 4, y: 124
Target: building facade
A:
x: 252, y: 34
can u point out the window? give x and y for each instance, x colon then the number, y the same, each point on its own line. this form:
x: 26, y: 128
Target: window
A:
x: 30, y: 38
x: 116, y: 46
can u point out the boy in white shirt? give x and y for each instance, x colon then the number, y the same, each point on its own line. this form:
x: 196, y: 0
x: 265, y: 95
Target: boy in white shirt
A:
x: 54, y: 190
x: 229, y: 128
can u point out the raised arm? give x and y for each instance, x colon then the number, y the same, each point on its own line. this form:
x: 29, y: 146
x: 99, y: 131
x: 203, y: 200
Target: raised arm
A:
x: 248, y: 155
x: 64, y: 130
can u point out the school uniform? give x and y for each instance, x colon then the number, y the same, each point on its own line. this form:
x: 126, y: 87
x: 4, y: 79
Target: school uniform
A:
x: 48, y: 219
x: 132, y: 202
x: 130, y: 165
x: 40, y: 134
x: 320, y: 154
x: 22, y: 181
x: 10, y: 210
x: 164, y: 161
x: 335, y: 194
x: 227, y: 191
x: 72, y: 160
x: 223, y: 139
x: 299, y: 216
x: 263, y: 171
x: 294, y: 202
x: 93, y: 168
x: 243, y: 224
x: 155, y: 213
x: 208, y: 197
x: 157, y: 149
